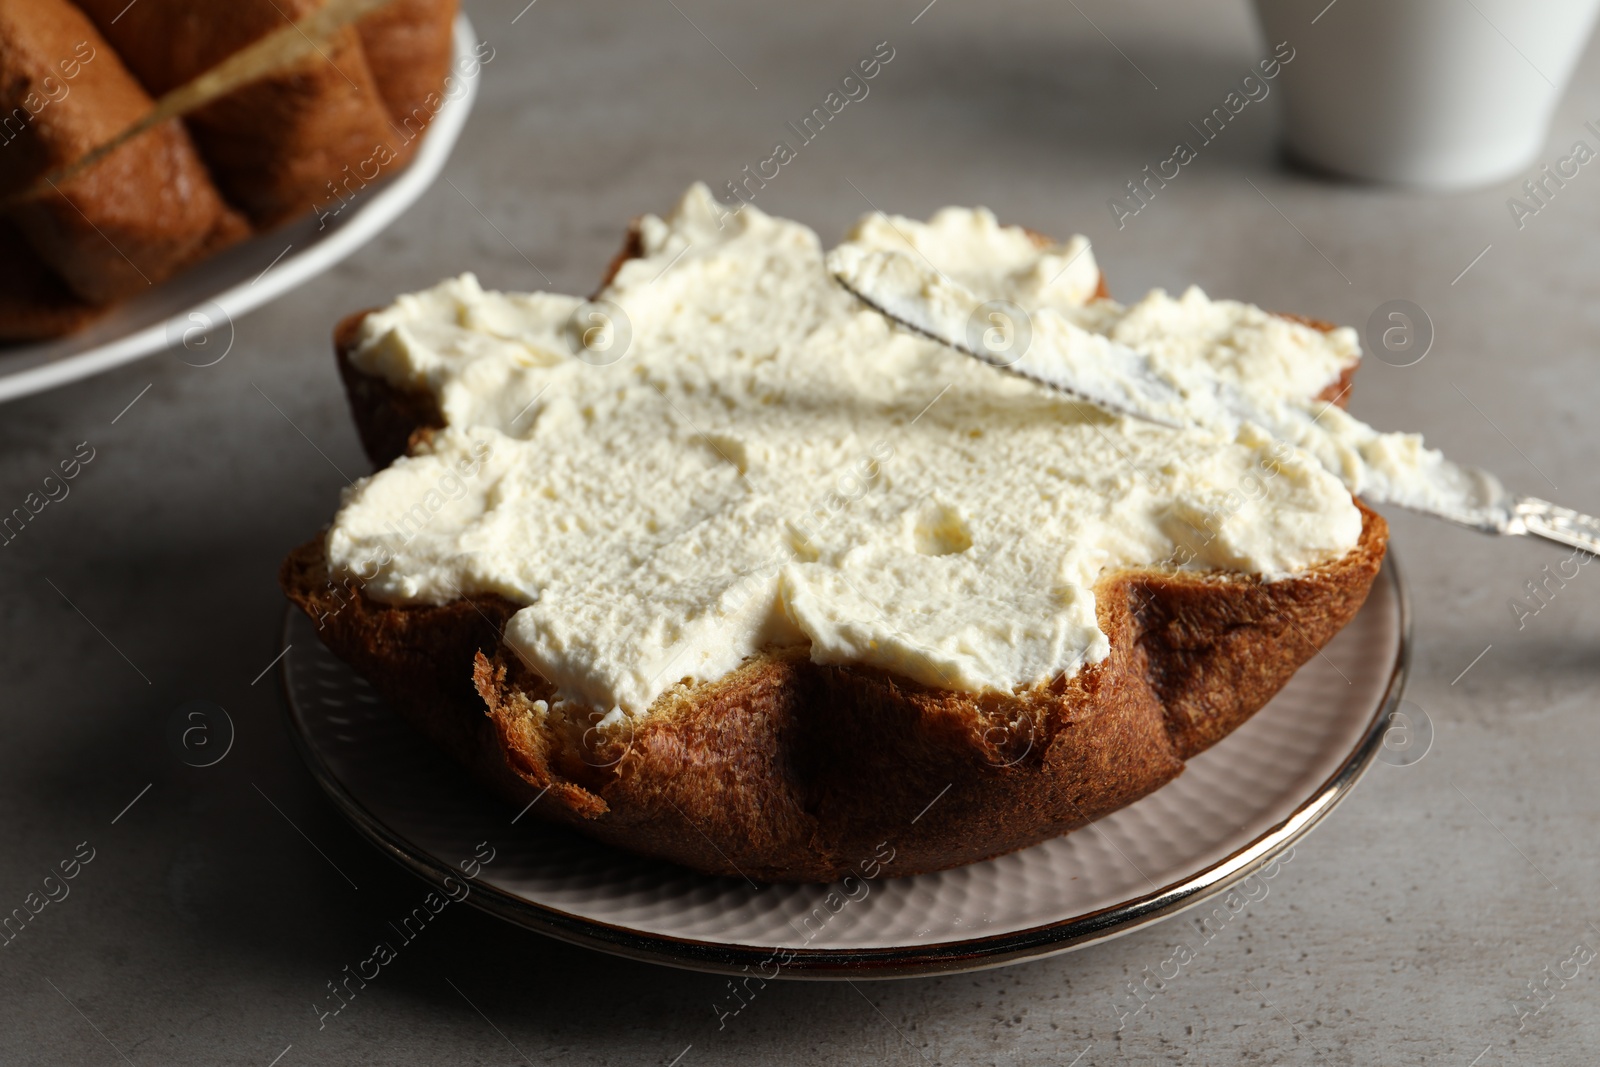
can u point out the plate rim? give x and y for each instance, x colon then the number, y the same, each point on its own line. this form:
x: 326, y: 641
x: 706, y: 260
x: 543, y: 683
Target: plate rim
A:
x: 367, y: 221
x: 942, y: 958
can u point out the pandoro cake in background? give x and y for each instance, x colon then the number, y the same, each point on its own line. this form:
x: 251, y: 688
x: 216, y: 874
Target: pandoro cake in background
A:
x: 75, y: 75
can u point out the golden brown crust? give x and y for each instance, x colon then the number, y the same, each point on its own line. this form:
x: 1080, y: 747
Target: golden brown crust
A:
x: 786, y: 770
x: 408, y: 47
x: 135, y: 217
x: 404, y: 650
x: 1337, y: 392
x: 283, y: 143
x: 386, y: 416
x: 632, y: 248
x: 790, y: 771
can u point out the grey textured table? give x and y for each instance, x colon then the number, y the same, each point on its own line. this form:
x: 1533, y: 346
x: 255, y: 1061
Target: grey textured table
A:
x: 1408, y: 927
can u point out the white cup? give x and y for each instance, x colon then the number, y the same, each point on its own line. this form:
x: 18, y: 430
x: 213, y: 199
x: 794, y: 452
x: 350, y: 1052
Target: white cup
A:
x: 1435, y: 93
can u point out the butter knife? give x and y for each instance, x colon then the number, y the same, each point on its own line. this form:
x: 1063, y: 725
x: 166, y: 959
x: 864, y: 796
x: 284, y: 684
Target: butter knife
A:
x: 1045, y: 349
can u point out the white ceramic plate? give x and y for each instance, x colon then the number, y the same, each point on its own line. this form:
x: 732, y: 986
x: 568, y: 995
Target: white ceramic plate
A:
x: 1233, y: 809
x: 209, y: 296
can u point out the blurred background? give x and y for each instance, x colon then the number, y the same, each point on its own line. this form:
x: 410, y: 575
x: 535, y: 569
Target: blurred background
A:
x: 1407, y: 929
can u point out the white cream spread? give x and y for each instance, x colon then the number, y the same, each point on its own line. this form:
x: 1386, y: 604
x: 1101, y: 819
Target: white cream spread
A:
x: 1192, y: 361
x: 747, y: 456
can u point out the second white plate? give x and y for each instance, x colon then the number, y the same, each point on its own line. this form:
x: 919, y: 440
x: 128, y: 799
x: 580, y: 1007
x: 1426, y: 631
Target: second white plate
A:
x: 194, y: 310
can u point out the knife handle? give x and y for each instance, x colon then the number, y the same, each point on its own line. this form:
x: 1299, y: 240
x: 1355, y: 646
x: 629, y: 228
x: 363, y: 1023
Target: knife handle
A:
x: 1540, y: 518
